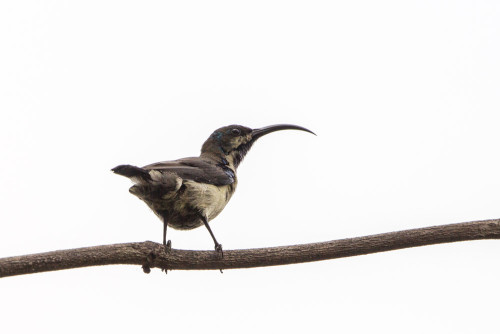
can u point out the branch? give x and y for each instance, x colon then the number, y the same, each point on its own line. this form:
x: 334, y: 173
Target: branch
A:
x: 150, y: 254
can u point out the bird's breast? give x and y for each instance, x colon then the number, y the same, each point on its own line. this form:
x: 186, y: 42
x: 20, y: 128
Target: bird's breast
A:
x: 207, y: 198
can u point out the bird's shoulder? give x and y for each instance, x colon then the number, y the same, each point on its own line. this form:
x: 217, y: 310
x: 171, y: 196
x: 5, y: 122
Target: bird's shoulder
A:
x: 196, y: 169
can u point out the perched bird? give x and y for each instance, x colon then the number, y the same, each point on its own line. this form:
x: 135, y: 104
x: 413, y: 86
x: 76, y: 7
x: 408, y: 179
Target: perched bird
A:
x: 190, y: 192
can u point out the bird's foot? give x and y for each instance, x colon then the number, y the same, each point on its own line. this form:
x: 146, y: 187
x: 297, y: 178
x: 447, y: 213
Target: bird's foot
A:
x: 218, y: 249
x: 168, y: 246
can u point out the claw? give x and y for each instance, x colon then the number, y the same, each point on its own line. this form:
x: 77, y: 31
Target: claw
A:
x: 218, y: 249
x: 168, y: 246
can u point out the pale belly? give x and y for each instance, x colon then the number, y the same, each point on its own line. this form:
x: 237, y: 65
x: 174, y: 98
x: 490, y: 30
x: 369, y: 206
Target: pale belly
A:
x: 197, y: 199
x: 207, y: 198
x: 183, y: 203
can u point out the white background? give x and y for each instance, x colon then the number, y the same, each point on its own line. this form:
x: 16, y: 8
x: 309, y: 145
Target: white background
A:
x: 404, y: 97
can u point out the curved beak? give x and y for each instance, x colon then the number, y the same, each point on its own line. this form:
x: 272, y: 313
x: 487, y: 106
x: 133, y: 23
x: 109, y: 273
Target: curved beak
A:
x: 257, y: 133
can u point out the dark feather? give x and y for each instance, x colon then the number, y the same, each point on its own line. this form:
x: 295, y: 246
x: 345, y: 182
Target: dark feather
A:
x: 196, y: 169
x: 132, y: 171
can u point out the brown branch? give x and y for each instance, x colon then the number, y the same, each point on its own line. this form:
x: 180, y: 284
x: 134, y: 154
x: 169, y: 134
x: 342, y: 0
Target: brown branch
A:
x: 150, y: 254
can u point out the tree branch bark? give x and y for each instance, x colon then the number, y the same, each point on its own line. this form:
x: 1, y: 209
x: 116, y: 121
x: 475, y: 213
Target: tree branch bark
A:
x: 151, y: 255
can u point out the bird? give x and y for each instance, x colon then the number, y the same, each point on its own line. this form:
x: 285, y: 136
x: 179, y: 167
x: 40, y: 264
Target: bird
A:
x: 189, y: 192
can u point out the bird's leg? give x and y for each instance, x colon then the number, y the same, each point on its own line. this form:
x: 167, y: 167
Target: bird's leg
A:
x: 167, y: 245
x: 218, y: 246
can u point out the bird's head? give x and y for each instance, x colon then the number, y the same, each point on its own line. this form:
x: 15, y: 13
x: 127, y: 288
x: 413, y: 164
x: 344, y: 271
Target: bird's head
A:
x: 234, y: 141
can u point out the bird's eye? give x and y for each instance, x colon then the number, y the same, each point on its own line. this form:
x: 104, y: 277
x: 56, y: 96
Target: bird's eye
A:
x: 236, y: 132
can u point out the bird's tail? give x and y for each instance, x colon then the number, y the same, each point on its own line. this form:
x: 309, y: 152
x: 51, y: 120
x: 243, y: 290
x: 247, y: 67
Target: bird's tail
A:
x: 132, y: 172
x: 149, y: 187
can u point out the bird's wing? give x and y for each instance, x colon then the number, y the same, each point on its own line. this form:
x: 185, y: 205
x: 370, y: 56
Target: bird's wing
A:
x: 197, y: 170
